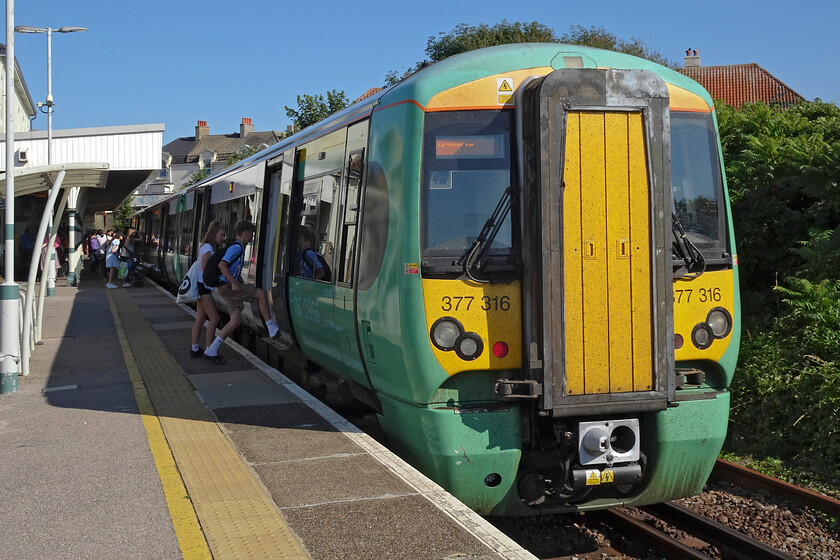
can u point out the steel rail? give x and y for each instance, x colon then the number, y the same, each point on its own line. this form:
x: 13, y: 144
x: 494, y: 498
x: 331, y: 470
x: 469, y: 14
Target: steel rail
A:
x: 674, y: 549
x: 754, y: 480
x: 736, y: 543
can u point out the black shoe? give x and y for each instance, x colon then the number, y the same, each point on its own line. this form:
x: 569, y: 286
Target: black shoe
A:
x: 218, y: 359
x: 196, y: 353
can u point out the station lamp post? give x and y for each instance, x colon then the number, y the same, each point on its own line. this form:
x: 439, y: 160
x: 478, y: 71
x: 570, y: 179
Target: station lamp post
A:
x: 49, y: 111
x: 49, y: 103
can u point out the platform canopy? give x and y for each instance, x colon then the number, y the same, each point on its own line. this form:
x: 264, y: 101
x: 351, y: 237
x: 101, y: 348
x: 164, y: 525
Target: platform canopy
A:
x: 33, y: 180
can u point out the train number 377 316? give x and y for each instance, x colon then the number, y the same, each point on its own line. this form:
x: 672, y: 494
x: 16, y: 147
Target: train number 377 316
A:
x: 700, y: 294
x: 464, y: 303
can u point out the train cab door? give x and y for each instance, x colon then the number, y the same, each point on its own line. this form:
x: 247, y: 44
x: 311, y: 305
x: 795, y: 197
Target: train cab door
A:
x: 275, y: 241
x: 600, y: 325
x: 345, y: 256
x: 319, y: 167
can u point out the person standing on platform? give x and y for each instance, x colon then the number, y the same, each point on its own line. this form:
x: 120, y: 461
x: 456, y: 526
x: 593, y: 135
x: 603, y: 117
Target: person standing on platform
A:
x: 112, y: 259
x: 235, y: 292
x: 27, y: 246
x: 98, y: 254
x: 205, y: 307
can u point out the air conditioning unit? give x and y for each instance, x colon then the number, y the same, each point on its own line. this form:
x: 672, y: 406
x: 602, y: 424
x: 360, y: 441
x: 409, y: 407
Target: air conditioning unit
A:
x: 23, y: 155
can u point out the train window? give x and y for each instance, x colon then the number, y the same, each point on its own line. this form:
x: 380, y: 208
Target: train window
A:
x: 320, y: 164
x: 355, y: 169
x: 467, y: 168
x: 357, y: 138
x: 696, y: 178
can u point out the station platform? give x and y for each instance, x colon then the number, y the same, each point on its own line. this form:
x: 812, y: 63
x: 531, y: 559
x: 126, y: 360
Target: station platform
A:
x: 119, y: 445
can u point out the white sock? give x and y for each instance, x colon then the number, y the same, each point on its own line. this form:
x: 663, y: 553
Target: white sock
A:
x: 272, y: 327
x: 195, y: 347
x: 213, y: 349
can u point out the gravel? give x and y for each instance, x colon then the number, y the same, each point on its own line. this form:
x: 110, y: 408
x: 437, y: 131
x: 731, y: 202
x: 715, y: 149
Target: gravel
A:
x: 783, y: 524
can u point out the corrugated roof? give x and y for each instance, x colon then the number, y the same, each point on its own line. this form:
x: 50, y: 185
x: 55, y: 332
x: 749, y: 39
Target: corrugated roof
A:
x: 737, y: 84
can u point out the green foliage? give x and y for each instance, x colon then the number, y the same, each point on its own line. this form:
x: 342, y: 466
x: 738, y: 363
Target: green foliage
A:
x: 783, y: 168
x: 600, y: 38
x: 242, y: 153
x: 314, y: 108
x: 786, y: 399
x: 122, y: 215
x: 196, y: 177
x: 470, y: 37
x: 466, y: 38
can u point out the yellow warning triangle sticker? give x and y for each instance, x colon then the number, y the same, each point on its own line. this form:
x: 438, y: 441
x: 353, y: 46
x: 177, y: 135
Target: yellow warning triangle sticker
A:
x: 505, y: 86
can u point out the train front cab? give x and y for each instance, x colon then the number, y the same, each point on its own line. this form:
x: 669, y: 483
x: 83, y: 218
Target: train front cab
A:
x: 564, y: 393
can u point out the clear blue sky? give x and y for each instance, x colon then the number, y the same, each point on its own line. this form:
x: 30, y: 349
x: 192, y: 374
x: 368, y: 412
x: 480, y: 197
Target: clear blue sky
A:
x: 176, y: 62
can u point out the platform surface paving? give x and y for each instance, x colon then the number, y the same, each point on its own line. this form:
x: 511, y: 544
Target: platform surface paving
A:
x: 230, y: 461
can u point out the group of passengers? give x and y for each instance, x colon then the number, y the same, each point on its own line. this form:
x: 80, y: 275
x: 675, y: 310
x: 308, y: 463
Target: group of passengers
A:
x: 105, y: 251
x: 233, y: 291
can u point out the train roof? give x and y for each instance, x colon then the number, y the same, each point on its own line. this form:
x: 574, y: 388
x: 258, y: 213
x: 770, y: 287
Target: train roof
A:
x: 459, y: 69
x: 473, y: 65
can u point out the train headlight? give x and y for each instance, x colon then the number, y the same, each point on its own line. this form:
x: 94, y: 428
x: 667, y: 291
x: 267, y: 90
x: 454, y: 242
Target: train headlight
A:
x: 469, y: 346
x: 720, y: 321
x: 702, y: 336
x: 445, y: 332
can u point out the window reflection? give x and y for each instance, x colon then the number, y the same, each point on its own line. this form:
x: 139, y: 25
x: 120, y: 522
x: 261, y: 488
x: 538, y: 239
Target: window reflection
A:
x: 696, y: 178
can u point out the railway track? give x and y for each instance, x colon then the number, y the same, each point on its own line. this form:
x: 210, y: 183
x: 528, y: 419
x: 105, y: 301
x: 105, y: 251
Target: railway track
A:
x: 753, y: 480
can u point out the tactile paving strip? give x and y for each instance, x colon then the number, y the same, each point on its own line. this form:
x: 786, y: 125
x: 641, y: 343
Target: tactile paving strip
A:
x: 238, y: 518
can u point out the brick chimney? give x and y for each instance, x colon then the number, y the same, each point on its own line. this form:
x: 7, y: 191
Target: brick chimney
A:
x: 692, y: 58
x: 201, y: 130
x: 245, y: 127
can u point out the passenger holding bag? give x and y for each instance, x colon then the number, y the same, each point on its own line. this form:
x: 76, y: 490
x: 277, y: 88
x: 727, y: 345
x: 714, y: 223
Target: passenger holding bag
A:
x: 188, y: 290
x: 205, y: 307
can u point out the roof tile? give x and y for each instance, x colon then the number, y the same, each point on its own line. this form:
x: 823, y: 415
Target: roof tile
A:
x: 737, y: 84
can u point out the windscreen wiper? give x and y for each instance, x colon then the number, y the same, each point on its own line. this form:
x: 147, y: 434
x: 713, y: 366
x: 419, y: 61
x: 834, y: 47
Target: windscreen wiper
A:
x: 695, y: 262
x: 472, y: 259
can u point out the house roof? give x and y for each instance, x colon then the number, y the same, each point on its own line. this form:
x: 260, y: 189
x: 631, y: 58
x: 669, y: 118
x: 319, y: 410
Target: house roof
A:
x: 737, y: 84
x: 368, y: 93
x: 187, y: 150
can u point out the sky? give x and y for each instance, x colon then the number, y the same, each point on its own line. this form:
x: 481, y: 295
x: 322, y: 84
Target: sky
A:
x: 177, y: 62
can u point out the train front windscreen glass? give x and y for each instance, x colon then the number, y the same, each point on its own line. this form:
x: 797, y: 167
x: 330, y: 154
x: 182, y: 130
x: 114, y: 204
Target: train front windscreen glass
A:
x: 696, y: 179
x: 467, y: 168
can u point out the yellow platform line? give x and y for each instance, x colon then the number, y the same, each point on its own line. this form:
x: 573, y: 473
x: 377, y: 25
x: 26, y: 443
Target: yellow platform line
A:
x: 187, y: 529
x: 237, y: 516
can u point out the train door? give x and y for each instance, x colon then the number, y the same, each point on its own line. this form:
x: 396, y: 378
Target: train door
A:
x: 319, y: 169
x: 168, y: 252
x: 275, y: 241
x: 345, y: 256
x: 600, y: 317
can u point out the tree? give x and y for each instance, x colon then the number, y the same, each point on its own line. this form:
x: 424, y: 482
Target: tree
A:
x: 467, y: 38
x: 600, y: 38
x: 122, y: 216
x: 470, y: 37
x: 243, y: 152
x: 782, y: 167
x: 314, y: 108
x: 195, y: 178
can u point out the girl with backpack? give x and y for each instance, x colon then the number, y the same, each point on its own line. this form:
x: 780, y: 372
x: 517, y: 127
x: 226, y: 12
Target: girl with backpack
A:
x: 235, y: 292
x: 205, y: 308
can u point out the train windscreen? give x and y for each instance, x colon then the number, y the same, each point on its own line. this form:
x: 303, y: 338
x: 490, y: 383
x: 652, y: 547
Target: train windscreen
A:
x: 696, y: 179
x: 467, y: 169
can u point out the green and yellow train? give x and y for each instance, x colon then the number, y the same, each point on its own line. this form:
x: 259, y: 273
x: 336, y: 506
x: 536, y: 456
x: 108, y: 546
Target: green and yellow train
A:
x: 533, y: 274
